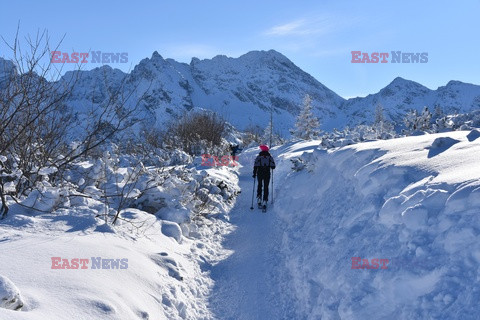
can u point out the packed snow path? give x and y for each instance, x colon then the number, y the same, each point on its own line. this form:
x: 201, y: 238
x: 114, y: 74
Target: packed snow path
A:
x: 249, y: 284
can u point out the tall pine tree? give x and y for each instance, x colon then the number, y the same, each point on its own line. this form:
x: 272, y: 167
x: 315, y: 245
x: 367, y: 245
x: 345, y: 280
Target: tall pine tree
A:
x: 306, y: 125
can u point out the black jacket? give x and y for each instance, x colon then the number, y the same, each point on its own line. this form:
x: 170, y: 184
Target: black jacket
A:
x: 263, y: 162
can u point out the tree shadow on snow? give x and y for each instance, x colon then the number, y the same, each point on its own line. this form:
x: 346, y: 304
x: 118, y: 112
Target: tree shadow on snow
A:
x: 77, y: 223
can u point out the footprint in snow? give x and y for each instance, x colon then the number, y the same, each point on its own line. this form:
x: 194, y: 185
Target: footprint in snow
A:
x: 168, y: 263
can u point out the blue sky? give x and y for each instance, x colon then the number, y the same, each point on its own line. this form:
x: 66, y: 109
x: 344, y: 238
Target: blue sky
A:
x: 318, y: 36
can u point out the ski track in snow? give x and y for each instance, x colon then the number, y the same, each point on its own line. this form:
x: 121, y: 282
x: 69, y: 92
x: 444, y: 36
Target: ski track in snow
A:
x: 249, y: 283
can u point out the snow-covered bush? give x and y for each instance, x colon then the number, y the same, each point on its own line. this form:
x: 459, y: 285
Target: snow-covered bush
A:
x: 168, y: 187
x: 306, y: 160
x: 37, y: 127
x: 466, y: 121
x: 415, y: 124
x: 415, y: 121
x: 173, y: 193
x: 298, y: 164
x: 354, y: 135
x: 439, y: 122
x: 10, y: 297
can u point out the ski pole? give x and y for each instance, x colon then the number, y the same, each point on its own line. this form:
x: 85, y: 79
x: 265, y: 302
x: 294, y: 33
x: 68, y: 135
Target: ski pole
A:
x: 253, y: 192
x: 272, y: 186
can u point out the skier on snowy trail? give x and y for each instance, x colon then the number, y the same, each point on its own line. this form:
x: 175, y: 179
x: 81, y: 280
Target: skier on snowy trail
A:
x: 261, y: 169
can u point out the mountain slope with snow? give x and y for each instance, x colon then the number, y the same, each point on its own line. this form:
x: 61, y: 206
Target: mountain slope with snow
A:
x: 401, y: 96
x: 244, y: 90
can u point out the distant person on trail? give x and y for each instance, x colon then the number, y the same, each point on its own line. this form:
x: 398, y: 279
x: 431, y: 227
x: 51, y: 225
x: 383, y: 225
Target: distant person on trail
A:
x: 234, y: 149
x: 261, y: 169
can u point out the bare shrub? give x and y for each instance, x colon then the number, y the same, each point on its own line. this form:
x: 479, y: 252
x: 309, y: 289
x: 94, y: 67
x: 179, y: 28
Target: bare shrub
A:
x: 35, y: 121
x: 196, y: 133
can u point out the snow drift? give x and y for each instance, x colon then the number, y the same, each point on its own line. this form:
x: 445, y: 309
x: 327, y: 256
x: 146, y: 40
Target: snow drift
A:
x: 414, y: 201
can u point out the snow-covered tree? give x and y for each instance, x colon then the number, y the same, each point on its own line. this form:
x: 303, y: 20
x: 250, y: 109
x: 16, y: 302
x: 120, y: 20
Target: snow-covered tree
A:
x: 438, y: 112
x: 271, y: 138
x: 307, y: 124
x: 415, y: 121
x: 379, y: 117
x: 425, y: 118
x: 411, y: 121
x: 268, y: 134
x: 439, y: 120
x: 383, y: 128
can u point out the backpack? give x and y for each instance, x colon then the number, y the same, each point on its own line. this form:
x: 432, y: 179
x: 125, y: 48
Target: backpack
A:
x: 263, y: 161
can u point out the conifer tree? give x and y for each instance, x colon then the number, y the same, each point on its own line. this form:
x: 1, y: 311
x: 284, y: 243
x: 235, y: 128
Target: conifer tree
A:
x: 307, y: 124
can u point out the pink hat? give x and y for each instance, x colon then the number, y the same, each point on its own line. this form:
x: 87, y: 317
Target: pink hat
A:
x: 264, y: 147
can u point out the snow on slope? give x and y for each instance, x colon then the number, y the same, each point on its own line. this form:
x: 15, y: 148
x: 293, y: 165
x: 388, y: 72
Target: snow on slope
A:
x: 241, y: 89
x: 164, y: 278
x: 401, y: 96
x: 414, y: 201
x: 244, y: 89
x: 248, y: 86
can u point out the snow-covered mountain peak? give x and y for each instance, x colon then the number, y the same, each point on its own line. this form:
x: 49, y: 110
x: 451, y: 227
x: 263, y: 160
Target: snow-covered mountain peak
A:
x: 401, y: 84
x: 458, y: 85
x: 263, y: 56
x: 6, y: 65
x: 94, y: 76
x: 156, y: 55
x: 7, y: 68
x: 156, y: 60
x: 246, y: 89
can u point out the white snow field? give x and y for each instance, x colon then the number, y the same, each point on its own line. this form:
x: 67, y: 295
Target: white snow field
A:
x: 162, y: 277
x: 413, y: 201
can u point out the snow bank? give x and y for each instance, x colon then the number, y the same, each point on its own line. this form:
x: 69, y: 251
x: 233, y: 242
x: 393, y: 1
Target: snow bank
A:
x: 10, y: 297
x: 149, y: 265
x: 172, y: 229
x: 161, y: 276
x: 413, y: 201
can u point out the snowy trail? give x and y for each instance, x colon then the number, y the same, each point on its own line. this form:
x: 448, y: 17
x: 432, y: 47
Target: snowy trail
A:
x: 248, y: 284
